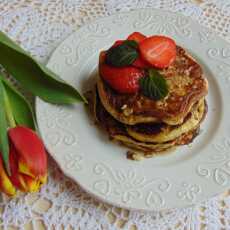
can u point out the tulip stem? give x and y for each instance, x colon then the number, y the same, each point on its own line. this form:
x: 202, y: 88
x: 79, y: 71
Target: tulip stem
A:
x: 8, y: 110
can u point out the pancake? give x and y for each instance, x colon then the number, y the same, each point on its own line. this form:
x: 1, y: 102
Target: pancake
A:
x: 186, y: 83
x: 118, y: 131
x: 147, y: 147
x: 161, y: 132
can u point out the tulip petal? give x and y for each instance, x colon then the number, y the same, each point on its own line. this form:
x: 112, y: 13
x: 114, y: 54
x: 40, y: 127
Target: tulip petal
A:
x: 5, y: 184
x: 15, y: 177
x: 43, y: 179
x: 32, y: 185
x: 30, y: 150
x: 23, y: 185
x: 24, y: 169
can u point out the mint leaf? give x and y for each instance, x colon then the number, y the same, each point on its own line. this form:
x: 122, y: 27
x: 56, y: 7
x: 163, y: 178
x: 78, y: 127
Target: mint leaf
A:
x: 154, y: 86
x: 122, y: 55
x: 131, y: 43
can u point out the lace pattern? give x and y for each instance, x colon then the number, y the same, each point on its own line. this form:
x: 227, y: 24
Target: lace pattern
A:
x: 39, y: 26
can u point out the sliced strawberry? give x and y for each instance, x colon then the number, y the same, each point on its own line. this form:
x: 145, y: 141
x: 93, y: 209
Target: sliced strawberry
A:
x: 141, y: 63
x: 136, y: 36
x: 117, y: 43
x: 159, y: 51
x: 123, y: 80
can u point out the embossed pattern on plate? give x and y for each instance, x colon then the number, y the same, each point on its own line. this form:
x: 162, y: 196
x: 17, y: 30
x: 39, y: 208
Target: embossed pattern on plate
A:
x: 85, y: 154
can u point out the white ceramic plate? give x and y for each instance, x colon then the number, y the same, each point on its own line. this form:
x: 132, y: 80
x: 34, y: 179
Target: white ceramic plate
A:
x: 187, y: 175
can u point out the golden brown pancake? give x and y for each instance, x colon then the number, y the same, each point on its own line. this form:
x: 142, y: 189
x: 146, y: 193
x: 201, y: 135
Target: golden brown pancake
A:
x: 118, y: 132
x: 147, y: 147
x: 161, y: 132
x: 187, y: 85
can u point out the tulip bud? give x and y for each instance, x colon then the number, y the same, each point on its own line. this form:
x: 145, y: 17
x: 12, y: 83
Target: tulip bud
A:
x: 27, y: 160
x: 28, y: 150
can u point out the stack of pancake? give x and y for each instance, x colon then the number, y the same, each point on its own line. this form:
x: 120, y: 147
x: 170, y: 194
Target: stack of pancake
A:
x: 149, y: 127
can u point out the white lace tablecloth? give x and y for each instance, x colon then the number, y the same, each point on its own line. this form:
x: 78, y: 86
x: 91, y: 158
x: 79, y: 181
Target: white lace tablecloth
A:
x: 39, y: 26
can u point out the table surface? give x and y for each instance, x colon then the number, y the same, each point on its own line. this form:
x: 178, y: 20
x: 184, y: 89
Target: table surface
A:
x: 39, y: 26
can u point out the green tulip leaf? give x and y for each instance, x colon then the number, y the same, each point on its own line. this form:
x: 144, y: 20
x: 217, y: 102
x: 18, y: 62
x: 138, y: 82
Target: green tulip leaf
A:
x: 34, y: 76
x: 21, y: 109
x: 4, y: 144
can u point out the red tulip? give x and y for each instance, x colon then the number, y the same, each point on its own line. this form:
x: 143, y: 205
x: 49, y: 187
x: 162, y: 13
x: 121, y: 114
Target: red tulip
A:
x: 27, y: 160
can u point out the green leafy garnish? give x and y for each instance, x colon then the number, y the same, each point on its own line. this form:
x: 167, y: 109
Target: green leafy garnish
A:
x: 131, y: 43
x: 122, y: 55
x: 34, y: 76
x: 154, y: 85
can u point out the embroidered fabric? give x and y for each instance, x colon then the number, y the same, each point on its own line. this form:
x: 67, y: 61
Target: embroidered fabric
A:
x: 39, y: 26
